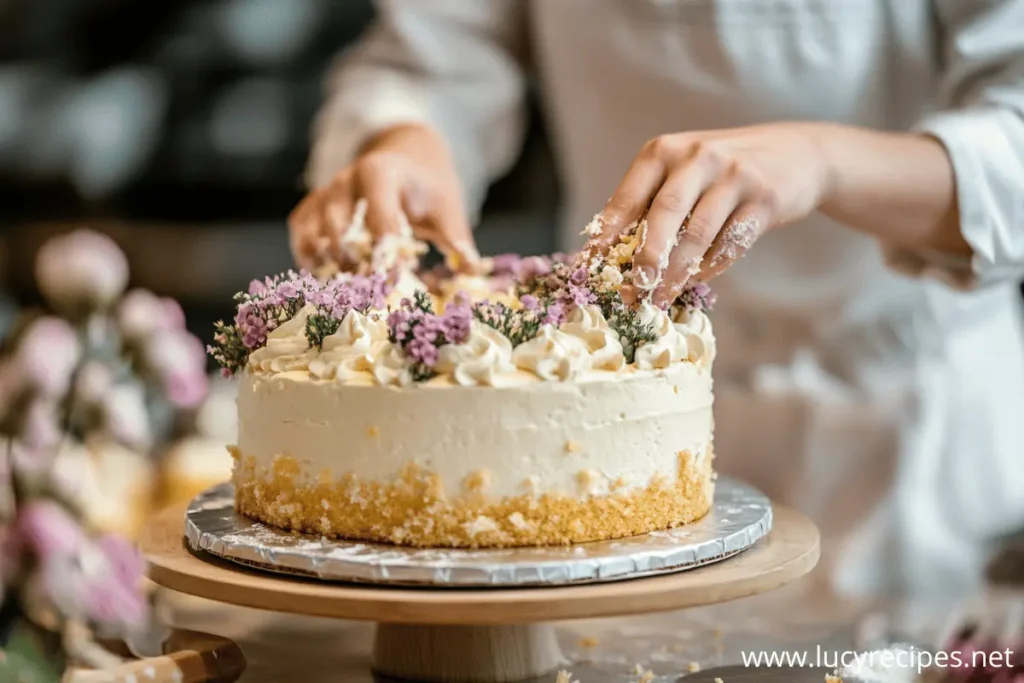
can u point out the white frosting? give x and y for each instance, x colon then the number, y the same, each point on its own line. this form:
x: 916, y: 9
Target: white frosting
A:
x: 484, y: 359
x: 391, y: 367
x: 700, y: 338
x: 360, y: 353
x: 628, y: 431
x: 287, y: 348
x: 405, y: 287
x: 351, y: 351
x: 670, y: 346
x: 554, y: 355
x: 588, y: 323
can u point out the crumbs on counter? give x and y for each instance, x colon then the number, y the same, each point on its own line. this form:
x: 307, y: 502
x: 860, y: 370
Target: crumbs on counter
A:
x: 643, y: 675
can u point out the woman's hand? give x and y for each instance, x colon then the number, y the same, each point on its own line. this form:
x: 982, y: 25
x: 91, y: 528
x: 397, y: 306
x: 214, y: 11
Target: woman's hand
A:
x: 702, y: 199
x: 407, y: 176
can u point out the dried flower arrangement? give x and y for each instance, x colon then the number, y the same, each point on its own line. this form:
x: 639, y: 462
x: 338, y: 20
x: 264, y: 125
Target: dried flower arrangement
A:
x: 100, y: 364
x: 547, y: 290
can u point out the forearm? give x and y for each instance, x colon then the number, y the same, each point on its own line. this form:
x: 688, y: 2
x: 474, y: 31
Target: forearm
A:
x: 899, y: 187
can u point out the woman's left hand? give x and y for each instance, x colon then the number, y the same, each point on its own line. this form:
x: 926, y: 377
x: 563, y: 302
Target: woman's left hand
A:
x: 702, y: 199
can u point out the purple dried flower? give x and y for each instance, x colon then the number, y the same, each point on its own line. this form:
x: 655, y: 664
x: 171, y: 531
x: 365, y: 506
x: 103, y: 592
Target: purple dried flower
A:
x: 579, y: 276
x: 533, y: 267
x: 580, y: 295
x: 287, y: 290
x: 257, y: 288
x: 398, y: 322
x: 254, y: 332
x: 529, y: 302
x: 506, y: 264
x: 456, y: 322
x: 697, y: 295
x: 555, y: 314
x: 422, y: 351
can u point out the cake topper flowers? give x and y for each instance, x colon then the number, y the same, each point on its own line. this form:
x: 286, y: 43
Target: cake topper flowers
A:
x: 271, y: 302
x: 517, y: 296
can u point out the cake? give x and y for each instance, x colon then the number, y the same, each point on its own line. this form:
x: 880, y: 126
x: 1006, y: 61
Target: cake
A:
x: 527, y: 405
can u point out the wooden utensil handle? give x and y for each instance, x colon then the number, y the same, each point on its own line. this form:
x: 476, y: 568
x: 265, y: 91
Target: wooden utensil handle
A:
x: 190, y: 657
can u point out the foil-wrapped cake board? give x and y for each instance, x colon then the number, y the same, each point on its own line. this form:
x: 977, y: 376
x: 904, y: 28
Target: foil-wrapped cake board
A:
x: 740, y: 517
x: 478, y: 615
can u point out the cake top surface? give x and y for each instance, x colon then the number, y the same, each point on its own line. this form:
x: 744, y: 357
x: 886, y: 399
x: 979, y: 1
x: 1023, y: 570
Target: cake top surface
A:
x: 515, y: 320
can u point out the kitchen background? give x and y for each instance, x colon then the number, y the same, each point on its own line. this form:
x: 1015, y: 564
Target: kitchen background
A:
x: 181, y: 128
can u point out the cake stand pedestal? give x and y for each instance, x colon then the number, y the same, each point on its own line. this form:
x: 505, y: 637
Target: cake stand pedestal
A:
x: 460, y: 635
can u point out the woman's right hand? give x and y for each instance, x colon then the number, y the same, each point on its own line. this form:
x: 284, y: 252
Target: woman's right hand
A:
x: 406, y: 175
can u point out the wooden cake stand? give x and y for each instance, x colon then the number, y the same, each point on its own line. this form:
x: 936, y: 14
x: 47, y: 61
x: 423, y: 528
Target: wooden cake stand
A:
x: 466, y: 634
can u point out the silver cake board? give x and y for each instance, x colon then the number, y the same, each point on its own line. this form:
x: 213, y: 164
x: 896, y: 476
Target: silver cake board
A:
x: 440, y: 622
x: 740, y: 517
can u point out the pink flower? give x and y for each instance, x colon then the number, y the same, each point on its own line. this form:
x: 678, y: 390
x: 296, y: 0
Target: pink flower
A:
x: 187, y: 389
x: 174, y: 315
x: 47, y: 355
x: 142, y: 314
x: 115, y: 595
x: 49, y: 530
x: 174, y: 351
x: 178, y: 360
x: 127, y: 417
x: 101, y: 583
x: 81, y: 271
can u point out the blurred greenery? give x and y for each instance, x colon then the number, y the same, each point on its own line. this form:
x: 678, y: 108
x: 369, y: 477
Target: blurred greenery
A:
x: 30, y: 656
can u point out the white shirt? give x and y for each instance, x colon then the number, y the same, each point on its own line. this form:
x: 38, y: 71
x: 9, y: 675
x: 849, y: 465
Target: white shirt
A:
x: 886, y: 404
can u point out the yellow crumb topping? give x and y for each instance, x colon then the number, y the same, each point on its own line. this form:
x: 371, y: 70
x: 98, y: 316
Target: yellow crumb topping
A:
x: 413, y: 509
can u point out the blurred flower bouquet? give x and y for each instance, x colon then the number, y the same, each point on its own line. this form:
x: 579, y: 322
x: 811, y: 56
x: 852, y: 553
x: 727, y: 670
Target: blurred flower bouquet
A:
x: 99, y: 365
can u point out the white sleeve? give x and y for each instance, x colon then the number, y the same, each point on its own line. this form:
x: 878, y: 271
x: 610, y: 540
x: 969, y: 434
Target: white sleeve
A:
x: 454, y: 64
x: 982, y: 127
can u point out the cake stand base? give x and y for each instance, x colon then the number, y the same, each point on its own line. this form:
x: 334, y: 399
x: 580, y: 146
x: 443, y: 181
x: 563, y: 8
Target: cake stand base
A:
x: 477, y: 635
x: 466, y: 654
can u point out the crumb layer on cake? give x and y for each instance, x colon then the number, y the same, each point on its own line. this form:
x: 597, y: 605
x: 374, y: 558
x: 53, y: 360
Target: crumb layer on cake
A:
x: 414, y: 510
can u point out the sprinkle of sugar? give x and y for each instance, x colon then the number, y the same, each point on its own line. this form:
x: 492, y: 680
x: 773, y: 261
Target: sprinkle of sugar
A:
x: 737, y: 238
x: 572, y: 447
x: 693, y: 667
x: 692, y: 267
x: 643, y: 675
x: 373, y: 432
x: 588, y: 642
x: 595, y: 227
